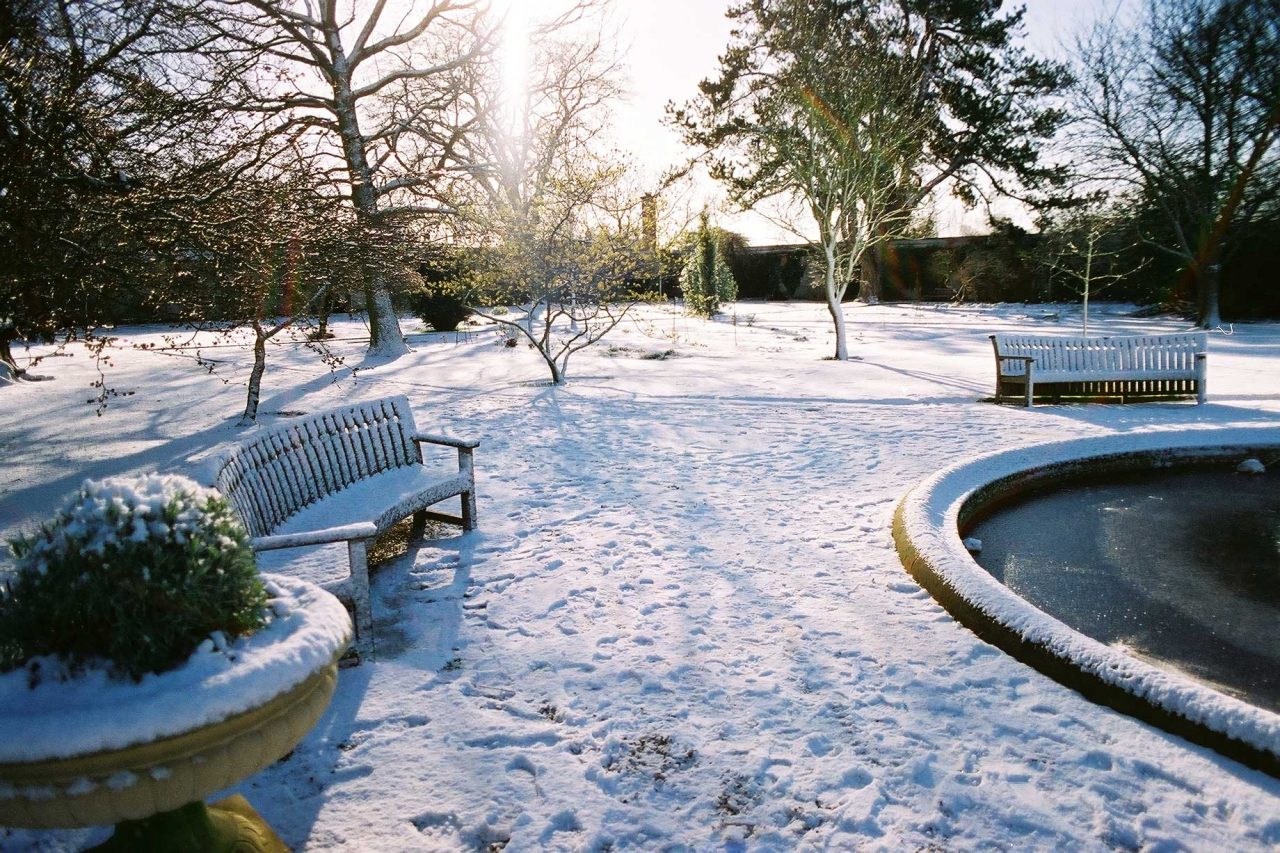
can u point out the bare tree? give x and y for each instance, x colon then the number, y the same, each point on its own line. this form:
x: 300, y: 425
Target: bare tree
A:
x: 107, y: 110
x: 263, y: 255
x: 1180, y: 113
x: 554, y: 237
x: 565, y: 281
x: 1090, y: 248
x: 374, y: 86
x: 807, y: 111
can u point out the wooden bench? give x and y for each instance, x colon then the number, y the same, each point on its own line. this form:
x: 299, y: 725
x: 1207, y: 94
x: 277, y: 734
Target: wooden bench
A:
x: 308, y: 487
x: 1128, y: 367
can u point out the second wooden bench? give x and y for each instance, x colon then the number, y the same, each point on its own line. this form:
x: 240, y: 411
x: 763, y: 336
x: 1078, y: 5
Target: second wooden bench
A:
x: 1129, y: 367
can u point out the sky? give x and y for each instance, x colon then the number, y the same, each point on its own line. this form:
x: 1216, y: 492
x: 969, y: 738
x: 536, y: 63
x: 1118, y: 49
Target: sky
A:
x: 670, y: 45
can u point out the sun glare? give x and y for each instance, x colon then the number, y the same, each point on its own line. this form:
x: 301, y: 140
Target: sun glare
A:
x: 513, y: 51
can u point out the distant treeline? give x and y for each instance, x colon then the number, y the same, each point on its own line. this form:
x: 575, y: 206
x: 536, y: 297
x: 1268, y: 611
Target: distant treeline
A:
x: 1008, y: 266
x: 1005, y: 266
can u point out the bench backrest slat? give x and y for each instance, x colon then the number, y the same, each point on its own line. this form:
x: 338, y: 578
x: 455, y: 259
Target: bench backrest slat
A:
x: 260, y: 460
x: 333, y: 435
x: 321, y: 458
x: 315, y: 471
x: 347, y: 436
x: 383, y: 458
x: 279, y: 472
x: 283, y: 471
x: 306, y: 473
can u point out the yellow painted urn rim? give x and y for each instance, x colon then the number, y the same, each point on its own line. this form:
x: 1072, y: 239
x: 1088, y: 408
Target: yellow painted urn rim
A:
x: 93, y: 713
x: 144, y: 778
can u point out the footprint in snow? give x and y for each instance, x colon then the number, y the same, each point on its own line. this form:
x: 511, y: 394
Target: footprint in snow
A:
x: 819, y: 745
x: 522, y: 763
x: 429, y: 822
x: 856, y: 778
x: 1096, y: 759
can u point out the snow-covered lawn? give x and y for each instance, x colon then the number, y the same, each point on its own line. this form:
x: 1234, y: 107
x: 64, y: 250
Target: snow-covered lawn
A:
x: 682, y: 623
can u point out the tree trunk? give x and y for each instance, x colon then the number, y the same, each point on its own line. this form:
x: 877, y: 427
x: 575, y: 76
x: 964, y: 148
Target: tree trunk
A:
x: 557, y: 374
x: 871, y: 286
x: 1208, y: 289
x: 834, y: 292
x: 9, y: 372
x: 1088, y: 277
x: 385, y: 338
x: 544, y: 344
x: 323, y: 311
x: 837, y: 317
x: 255, y: 376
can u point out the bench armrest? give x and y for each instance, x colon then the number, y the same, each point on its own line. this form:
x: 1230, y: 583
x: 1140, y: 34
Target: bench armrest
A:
x: 1025, y: 358
x: 345, y: 533
x: 1201, y: 356
x: 447, y: 441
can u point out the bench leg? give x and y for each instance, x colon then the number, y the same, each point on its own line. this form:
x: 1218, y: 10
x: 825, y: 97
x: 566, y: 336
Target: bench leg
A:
x: 468, y: 510
x: 419, y: 528
x: 466, y: 467
x: 357, y: 551
x: 1030, y: 391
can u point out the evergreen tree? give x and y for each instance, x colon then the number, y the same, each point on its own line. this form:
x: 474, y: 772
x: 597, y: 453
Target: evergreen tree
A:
x: 809, y: 114
x: 706, y: 279
x: 857, y: 113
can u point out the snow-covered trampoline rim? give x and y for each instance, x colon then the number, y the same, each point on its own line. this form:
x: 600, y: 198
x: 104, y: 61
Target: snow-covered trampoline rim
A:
x: 926, y: 528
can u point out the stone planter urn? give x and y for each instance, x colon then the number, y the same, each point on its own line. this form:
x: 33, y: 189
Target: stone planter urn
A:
x: 89, y: 750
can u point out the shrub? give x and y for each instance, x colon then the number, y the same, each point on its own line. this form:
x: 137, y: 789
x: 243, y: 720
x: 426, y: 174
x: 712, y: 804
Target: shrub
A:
x: 440, y: 308
x: 135, y: 571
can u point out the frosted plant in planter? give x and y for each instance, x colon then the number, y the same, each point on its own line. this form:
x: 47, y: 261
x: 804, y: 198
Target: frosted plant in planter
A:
x: 136, y: 572
x: 147, y: 664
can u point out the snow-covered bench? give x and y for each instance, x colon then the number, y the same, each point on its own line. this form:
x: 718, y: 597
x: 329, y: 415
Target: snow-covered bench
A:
x: 1128, y: 367
x: 306, y: 488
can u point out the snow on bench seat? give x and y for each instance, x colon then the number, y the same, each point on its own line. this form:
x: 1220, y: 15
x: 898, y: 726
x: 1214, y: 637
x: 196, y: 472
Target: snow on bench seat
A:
x: 1132, y: 366
x: 402, y: 491
x: 316, y: 487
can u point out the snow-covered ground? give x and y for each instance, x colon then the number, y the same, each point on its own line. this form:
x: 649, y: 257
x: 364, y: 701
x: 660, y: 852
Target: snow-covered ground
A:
x: 682, y: 623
